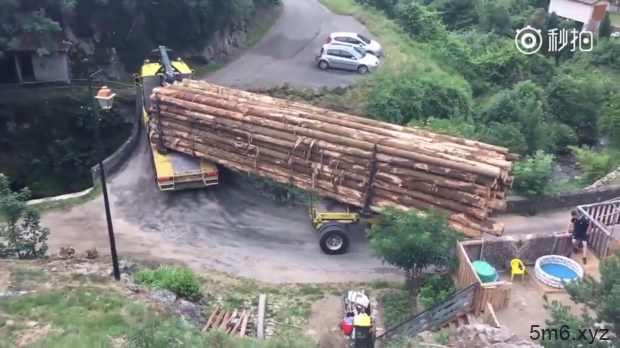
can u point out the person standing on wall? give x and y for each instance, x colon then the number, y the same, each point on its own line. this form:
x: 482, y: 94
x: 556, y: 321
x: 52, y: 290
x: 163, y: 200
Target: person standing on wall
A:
x: 579, y: 228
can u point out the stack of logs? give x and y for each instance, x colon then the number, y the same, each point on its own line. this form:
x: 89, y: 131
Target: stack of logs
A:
x: 329, y: 153
x: 234, y: 323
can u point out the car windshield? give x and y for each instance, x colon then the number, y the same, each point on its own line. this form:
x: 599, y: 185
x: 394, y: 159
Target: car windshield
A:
x: 359, y: 53
x: 363, y: 38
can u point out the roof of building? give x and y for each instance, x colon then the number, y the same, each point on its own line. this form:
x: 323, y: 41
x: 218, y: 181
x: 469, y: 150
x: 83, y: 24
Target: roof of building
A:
x: 27, y: 43
x: 589, y: 2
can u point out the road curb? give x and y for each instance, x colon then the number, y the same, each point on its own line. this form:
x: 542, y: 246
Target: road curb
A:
x: 61, y: 197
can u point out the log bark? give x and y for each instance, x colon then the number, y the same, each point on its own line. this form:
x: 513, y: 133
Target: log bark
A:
x: 401, y: 176
x: 345, y: 195
x: 388, y: 181
x: 312, y: 109
x: 351, y: 180
x: 339, y: 193
x: 340, y: 136
x: 254, y: 102
x: 192, y: 117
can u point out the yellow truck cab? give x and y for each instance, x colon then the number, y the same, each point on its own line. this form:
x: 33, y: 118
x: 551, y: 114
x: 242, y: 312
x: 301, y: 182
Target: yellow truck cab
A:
x: 173, y: 170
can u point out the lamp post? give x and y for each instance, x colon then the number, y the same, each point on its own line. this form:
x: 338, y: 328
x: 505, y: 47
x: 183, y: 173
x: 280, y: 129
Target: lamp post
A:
x: 105, y: 97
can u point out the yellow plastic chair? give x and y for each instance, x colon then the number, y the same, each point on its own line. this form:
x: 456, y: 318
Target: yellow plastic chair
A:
x: 516, y: 267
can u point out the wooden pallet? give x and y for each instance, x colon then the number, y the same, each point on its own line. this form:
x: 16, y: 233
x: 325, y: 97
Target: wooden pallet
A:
x: 234, y: 323
x: 465, y: 319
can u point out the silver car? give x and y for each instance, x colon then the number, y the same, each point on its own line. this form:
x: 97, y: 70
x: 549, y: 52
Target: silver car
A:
x: 346, y: 58
x: 356, y: 40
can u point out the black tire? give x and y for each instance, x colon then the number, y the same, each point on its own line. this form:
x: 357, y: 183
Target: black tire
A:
x: 362, y: 69
x: 323, y: 64
x: 333, y: 238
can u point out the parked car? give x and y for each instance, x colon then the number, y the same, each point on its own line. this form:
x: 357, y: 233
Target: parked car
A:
x: 356, y: 40
x: 347, y: 58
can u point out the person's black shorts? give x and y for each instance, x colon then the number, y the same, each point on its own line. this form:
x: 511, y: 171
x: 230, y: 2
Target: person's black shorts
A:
x: 580, y: 238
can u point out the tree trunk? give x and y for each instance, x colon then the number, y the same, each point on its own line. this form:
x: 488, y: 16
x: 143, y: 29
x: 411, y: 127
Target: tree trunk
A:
x: 340, y: 136
x: 384, y: 181
x: 252, y: 103
x: 286, y: 104
x: 317, y: 144
x: 299, y: 165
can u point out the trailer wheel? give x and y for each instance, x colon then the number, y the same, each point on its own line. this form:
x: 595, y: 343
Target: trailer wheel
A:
x: 334, y: 239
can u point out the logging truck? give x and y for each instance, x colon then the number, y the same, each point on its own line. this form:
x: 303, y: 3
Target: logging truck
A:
x: 173, y: 170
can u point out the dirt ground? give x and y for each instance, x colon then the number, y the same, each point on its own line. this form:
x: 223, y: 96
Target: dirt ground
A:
x: 323, y: 324
x: 527, y: 302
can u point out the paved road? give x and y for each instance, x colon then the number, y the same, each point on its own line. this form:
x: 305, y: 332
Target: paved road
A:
x: 286, y: 53
x: 227, y: 227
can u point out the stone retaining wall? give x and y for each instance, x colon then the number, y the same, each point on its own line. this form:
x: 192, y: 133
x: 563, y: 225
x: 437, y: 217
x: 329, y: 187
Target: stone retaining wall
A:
x: 114, y: 162
x: 551, y: 281
x: 532, y: 206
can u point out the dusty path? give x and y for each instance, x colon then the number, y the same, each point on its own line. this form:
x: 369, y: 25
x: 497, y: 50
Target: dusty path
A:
x: 227, y: 228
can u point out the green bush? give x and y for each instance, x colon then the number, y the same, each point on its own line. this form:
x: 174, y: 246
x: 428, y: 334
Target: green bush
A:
x: 435, y: 290
x: 533, y: 174
x: 181, y: 281
x: 419, y: 95
x: 595, y: 165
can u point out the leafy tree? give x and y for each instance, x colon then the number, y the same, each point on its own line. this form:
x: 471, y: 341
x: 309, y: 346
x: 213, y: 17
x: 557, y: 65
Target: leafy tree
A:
x: 604, y: 29
x: 609, y: 120
x: 412, y: 96
x: 495, y: 17
x: 533, y: 174
x: 413, y: 241
x: 24, y: 235
x: 420, y: 23
x: 525, y: 108
x: 605, y: 53
x: 456, y: 14
x: 602, y: 301
x: 576, y: 99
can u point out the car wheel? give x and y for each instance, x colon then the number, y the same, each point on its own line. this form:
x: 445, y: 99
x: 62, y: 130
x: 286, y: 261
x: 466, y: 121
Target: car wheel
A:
x: 323, y: 65
x: 362, y: 69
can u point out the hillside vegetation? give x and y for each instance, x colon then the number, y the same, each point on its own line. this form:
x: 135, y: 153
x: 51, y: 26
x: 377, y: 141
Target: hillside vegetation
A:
x: 452, y: 66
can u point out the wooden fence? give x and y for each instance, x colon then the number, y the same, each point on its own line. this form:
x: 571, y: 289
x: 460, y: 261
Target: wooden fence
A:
x: 495, y: 293
x: 458, y: 304
x: 604, y: 216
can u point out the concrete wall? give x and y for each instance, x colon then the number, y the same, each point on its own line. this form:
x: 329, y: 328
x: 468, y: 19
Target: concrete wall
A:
x: 571, y: 9
x: 114, y: 162
x: 525, y: 206
x: 50, y: 68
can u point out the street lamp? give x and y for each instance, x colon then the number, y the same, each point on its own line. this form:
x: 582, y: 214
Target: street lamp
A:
x: 105, y: 97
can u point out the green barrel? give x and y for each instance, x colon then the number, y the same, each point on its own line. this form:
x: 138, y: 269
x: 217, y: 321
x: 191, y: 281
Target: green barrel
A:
x: 485, y: 271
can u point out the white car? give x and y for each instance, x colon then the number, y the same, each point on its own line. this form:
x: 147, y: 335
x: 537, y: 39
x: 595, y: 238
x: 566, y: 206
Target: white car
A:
x: 335, y: 56
x: 356, y: 40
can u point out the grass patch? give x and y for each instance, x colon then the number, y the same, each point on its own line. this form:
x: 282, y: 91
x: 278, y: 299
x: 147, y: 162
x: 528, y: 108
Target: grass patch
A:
x: 615, y: 18
x: 398, y: 306
x: 94, y: 317
x: 181, y: 281
x: 257, y: 30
